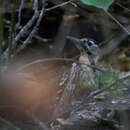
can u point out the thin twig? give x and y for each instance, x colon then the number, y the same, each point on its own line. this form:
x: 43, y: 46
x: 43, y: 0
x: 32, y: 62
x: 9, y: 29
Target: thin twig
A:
x: 41, y: 39
x: 26, y: 42
x: 54, y: 59
x: 18, y: 25
x: 23, y: 31
x: 92, y: 94
x: 125, y: 29
x: 95, y: 67
x: 37, y: 121
x: 4, y: 57
x: 60, y: 5
x: 109, y: 86
x: 9, y: 124
x: 123, y: 7
x: 42, y: 61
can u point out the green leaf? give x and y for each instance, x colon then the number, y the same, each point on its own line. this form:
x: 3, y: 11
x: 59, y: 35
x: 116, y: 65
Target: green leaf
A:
x: 104, y: 4
x: 107, y: 78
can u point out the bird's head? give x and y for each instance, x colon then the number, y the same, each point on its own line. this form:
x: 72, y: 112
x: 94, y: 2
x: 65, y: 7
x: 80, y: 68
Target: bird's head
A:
x: 86, y: 45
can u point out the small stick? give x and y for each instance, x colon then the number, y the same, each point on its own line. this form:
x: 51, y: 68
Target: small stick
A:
x: 60, y: 5
x: 125, y: 29
x: 18, y: 25
x: 42, y: 61
x: 9, y: 124
x: 91, y: 95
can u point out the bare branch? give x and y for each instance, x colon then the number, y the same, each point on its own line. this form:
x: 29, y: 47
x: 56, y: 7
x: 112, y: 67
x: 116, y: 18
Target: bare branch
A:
x: 19, y: 15
x: 60, y: 5
x: 37, y: 121
x: 92, y: 94
x: 23, y: 31
x: 9, y: 124
x: 42, y: 61
x: 41, y: 39
x: 26, y: 42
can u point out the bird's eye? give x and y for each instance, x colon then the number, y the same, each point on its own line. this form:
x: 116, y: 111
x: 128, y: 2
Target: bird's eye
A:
x: 91, y: 42
x: 84, y: 40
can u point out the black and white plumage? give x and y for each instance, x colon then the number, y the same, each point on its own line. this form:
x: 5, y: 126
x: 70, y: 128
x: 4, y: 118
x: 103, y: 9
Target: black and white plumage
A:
x: 87, y: 45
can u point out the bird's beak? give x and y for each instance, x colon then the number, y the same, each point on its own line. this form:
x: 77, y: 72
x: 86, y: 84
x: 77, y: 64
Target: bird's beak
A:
x: 73, y: 39
x: 76, y: 41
